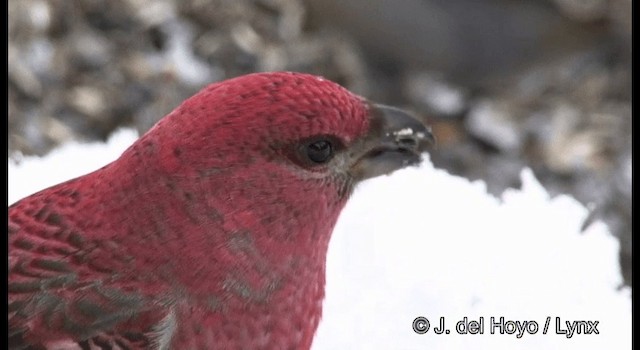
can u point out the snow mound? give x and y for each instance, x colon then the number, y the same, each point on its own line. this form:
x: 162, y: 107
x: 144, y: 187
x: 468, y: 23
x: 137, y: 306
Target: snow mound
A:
x: 422, y: 242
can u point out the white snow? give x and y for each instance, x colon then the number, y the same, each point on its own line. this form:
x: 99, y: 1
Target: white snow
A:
x: 422, y: 242
x: 32, y: 174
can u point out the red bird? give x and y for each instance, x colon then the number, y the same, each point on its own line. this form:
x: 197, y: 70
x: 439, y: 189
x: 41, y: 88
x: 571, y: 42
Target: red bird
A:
x: 209, y: 232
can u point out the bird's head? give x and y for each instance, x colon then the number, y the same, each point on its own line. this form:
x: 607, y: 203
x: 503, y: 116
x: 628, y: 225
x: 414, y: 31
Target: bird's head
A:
x: 278, y: 153
x: 299, y: 126
x: 244, y: 183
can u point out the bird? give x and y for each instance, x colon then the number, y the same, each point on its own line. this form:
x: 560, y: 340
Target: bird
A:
x: 211, y: 230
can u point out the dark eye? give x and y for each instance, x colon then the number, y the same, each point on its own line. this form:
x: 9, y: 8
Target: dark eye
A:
x: 319, y: 151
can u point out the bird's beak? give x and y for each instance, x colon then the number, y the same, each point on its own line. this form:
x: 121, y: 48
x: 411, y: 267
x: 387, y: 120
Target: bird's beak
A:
x: 395, y: 140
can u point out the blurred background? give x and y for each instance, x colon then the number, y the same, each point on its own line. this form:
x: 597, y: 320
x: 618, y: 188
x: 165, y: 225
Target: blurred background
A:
x: 505, y: 84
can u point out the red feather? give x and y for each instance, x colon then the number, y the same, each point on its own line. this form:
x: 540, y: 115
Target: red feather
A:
x: 203, y: 234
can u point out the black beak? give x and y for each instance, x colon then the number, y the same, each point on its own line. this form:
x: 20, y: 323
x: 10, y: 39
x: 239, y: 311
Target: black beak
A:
x: 396, y: 140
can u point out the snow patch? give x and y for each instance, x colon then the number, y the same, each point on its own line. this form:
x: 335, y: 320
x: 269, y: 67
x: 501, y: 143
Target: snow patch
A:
x: 422, y: 242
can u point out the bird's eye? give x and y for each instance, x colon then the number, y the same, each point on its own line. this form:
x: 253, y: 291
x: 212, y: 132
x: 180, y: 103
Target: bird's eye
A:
x: 319, y: 151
